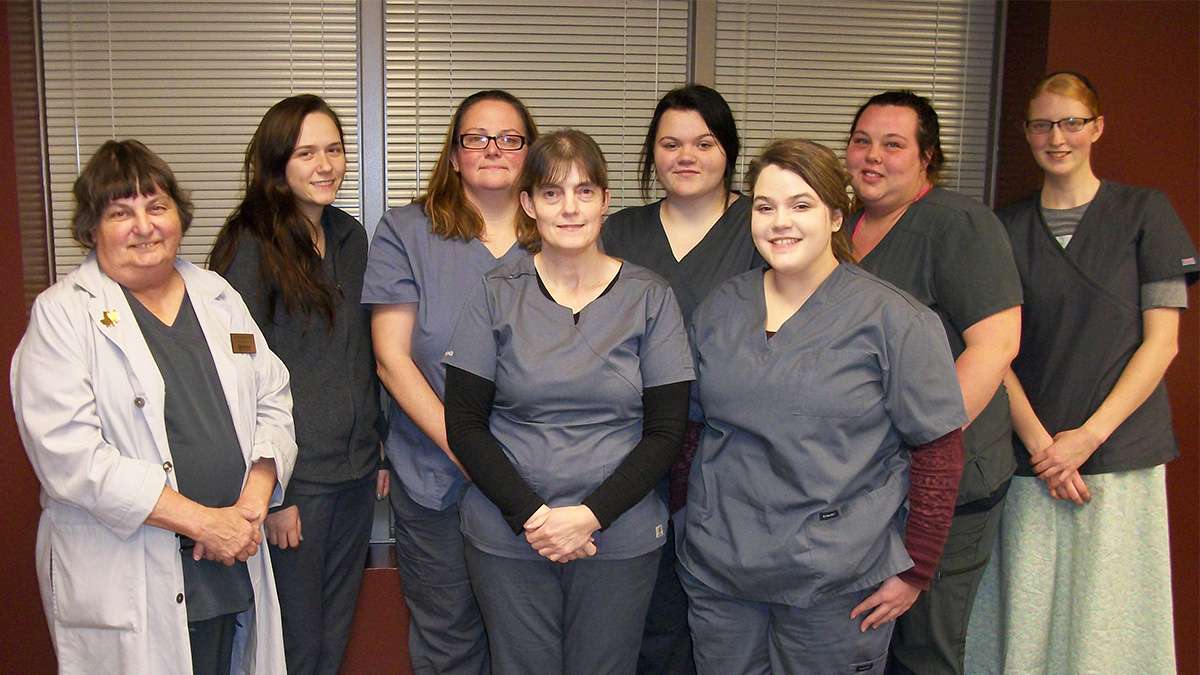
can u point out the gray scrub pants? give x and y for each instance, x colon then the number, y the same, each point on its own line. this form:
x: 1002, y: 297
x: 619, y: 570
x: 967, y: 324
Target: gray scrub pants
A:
x: 445, y: 633
x: 930, y: 638
x: 761, y: 638
x: 318, y: 582
x: 581, y: 618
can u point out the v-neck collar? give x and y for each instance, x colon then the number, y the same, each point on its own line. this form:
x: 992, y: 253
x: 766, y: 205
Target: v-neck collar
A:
x: 1082, y: 229
x: 575, y: 316
x: 488, y: 252
x: 822, y: 295
x: 719, y: 225
x: 902, y: 220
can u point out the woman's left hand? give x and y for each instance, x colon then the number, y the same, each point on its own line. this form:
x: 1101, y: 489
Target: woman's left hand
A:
x: 893, y: 598
x: 1068, y: 452
x: 562, y: 532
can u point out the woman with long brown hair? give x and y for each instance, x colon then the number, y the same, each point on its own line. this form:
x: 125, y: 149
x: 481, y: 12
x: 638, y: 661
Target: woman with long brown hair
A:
x: 424, y: 260
x: 298, y: 262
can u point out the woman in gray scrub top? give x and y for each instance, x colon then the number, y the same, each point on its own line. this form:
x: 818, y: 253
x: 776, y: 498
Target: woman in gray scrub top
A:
x: 298, y: 262
x: 823, y: 486
x: 1081, y: 578
x: 566, y: 396
x: 950, y: 252
x: 425, y: 258
x: 696, y: 237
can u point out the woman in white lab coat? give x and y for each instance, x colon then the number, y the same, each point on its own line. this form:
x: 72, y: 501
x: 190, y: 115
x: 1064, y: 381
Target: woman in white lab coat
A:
x: 125, y: 470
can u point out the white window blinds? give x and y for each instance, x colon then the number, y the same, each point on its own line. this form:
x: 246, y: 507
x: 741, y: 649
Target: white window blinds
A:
x: 191, y: 80
x: 792, y: 68
x: 599, y: 67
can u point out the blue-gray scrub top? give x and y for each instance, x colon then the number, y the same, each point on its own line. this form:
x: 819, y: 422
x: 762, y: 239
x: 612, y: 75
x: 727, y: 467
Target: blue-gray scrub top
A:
x: 799, y: 486
x: 568, y: 403
x: 408, y: 263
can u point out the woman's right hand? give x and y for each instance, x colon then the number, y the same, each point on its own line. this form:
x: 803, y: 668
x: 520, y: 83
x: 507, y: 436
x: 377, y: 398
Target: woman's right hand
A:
x: 283, y: 528
x: 226, y: 536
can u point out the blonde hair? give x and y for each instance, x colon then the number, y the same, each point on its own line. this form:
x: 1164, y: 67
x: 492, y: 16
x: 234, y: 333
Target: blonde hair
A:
x: 1069, y: 84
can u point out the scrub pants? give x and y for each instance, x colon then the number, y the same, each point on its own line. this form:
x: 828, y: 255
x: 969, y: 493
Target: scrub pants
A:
x: 666, y: 640
x: 580, y: 618
x: 761, y: 638
x: 445, y: 633
x: 318, y: 582
x: 931, y: 636
x: 212, y: 644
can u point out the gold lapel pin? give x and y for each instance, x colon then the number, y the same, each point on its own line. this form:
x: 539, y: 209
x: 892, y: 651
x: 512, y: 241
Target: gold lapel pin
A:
x: 109, y: 317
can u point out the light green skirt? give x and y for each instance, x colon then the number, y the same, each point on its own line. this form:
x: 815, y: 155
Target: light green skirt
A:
x: 1078, y: 589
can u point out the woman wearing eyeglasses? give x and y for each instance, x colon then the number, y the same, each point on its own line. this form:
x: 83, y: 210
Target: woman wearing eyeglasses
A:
x: 424, y: 260
x: 1081, y: 578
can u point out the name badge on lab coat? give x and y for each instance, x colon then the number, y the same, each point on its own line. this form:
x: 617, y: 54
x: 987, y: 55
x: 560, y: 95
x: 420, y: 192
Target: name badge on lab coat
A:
x: 243, y: 343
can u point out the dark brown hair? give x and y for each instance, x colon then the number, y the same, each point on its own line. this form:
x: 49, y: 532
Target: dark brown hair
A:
x: 119, y: 170
x: 824, y: 173
x: 715, y: 112
x: 550, y: 160
x: 929, y: 131
x: 450, y: 213
x: 289, y: 265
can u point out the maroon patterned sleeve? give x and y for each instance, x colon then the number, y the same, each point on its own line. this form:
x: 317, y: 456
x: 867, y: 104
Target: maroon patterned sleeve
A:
x: 933, y: 490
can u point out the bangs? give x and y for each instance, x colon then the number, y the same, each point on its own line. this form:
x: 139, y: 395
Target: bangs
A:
x: 559, y: 168
x: 126, y: 173
x: 120, y: 170
x: 557, y: 153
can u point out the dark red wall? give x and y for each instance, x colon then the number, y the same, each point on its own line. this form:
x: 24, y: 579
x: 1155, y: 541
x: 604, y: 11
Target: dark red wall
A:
x: 26, y: 641
x: 1144, y: 59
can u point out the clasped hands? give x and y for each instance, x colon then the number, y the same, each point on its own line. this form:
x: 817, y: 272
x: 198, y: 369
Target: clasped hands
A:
x: 1057, y: 464
x: 562, y: 533
x: 231, y: 533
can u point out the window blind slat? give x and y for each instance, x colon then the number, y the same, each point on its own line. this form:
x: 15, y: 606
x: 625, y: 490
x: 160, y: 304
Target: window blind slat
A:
x: 802, y: 68
x: 600, y: 67
x: 192, y: 85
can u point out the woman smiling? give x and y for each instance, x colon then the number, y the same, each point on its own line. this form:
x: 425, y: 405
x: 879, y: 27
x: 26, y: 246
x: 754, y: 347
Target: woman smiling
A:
x: 814, y: 381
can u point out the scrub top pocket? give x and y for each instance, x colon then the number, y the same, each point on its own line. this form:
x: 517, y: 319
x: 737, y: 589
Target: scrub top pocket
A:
x: 836, y: 383
x: 850, y: 540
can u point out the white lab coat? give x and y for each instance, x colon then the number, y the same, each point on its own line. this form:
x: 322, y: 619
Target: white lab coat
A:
x: 89, y: 405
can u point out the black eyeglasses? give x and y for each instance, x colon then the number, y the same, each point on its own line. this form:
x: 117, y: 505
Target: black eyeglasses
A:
x: 506, y: 142
x: 1072, y: 124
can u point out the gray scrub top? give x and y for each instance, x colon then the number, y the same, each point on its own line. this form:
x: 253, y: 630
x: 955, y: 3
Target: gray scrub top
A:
x: 568, y: 403
x: 799, y: 485
x: 408, y: 263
